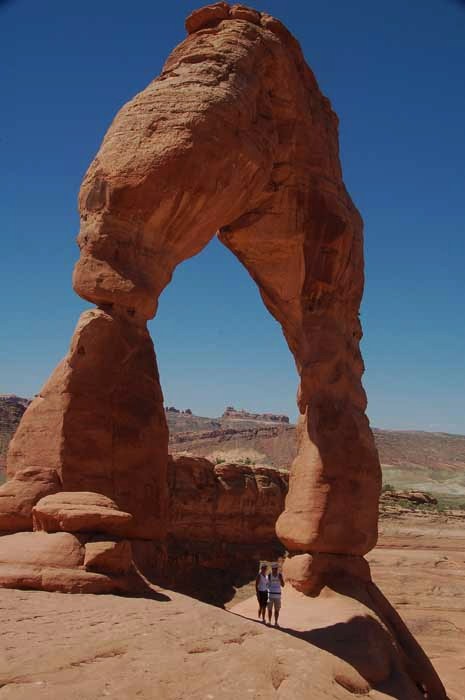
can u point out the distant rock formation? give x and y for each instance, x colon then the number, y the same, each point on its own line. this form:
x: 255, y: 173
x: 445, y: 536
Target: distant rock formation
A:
x: 231, y: 413
x: 12, y: 408
x: 416, y: 497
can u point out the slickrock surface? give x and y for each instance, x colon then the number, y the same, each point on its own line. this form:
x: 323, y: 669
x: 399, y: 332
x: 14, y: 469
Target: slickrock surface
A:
x: 419, y: 564
x: 372, y: 651
x: 174, y: 648
x: 237, y: 97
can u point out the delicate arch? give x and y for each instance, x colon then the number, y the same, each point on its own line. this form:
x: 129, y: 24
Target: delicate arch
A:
x: 233, y: 137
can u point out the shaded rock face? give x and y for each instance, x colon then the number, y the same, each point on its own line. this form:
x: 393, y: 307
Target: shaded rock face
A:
x: 225, y: 502
x: 237, y: 97
x: 221, y: 524
x: 98, y: 423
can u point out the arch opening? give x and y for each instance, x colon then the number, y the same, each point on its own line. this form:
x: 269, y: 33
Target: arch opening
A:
x: 217, y: 345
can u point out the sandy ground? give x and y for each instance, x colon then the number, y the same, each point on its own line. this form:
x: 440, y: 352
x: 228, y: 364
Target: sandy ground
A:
x: 419, y: 565
x: 171, y: 647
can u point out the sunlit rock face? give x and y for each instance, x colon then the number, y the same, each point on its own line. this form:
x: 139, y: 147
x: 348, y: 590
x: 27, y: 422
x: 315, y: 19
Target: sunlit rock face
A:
x: 233, y: 138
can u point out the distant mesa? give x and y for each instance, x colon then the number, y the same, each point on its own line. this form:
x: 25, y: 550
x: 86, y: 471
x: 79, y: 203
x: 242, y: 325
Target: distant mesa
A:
x: 232, y: 413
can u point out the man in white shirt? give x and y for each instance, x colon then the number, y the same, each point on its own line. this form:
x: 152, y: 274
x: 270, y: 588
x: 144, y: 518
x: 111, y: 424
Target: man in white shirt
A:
x: 275, y: 584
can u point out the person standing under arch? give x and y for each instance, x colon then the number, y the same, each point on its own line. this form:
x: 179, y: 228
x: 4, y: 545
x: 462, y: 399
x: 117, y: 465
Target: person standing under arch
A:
x: 275, y: 584
x: 261, y: 588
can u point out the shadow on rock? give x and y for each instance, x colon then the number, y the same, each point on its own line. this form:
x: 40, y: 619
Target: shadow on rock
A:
x: 367, y: 647
x: 379, y: 647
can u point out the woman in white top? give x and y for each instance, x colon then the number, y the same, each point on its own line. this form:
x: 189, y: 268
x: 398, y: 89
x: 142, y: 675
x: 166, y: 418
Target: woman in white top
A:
x: 275, y: 583
x: 261, y: 588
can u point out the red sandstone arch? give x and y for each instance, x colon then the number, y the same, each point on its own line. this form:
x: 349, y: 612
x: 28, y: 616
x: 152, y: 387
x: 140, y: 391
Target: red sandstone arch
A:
x: 233, y: 137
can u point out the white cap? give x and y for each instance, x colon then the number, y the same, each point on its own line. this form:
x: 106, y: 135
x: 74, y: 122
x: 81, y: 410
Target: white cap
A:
x: 274, y: 565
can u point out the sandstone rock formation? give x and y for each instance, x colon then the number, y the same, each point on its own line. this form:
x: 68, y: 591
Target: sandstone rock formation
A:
x: 21, y: 493
x: 12, y: 408
x: 76, y: 546
x: 233, y: 138
x: 57, y: 562
x: 221, y: 523
x: 233, y: 414
x: 225, y: 502
x: 80, y: 512
x: 98, y: 423
x: 271, y: 185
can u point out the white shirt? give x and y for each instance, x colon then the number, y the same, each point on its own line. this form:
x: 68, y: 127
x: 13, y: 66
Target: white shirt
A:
x: 274, y: 585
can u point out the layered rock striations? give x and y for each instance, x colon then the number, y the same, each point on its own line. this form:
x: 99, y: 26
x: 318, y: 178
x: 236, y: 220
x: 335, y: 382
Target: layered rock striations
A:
x: 221, y: 524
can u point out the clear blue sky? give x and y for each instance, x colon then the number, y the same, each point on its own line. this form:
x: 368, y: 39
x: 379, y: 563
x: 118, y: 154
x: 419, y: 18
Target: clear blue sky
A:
x: 394, y: 73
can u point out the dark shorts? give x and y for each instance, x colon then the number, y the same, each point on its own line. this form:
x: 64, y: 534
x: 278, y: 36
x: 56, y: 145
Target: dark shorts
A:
x: 262, y: 597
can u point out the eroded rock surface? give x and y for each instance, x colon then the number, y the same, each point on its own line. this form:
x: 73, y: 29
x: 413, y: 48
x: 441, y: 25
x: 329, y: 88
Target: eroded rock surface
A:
x: 99, y: 421
x: 238, y: 97
x: 21, y: 493
x: 224, y: 502
x: 221, y: 523
x: 52, y: 562
x: 373, y: 653
x: 80, y: 512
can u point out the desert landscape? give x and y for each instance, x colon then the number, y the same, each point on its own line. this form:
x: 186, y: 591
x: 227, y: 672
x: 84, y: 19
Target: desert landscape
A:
x: 418, y: 563
x: 131, y: 532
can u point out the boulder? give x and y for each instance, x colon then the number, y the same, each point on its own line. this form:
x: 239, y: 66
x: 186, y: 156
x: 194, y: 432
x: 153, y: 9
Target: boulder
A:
x: 310, y: 573
x: 108, y: 557
x: 53, y: 562
x: 40, y: 549
x: 80, y: 512
x: 21, y: 493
